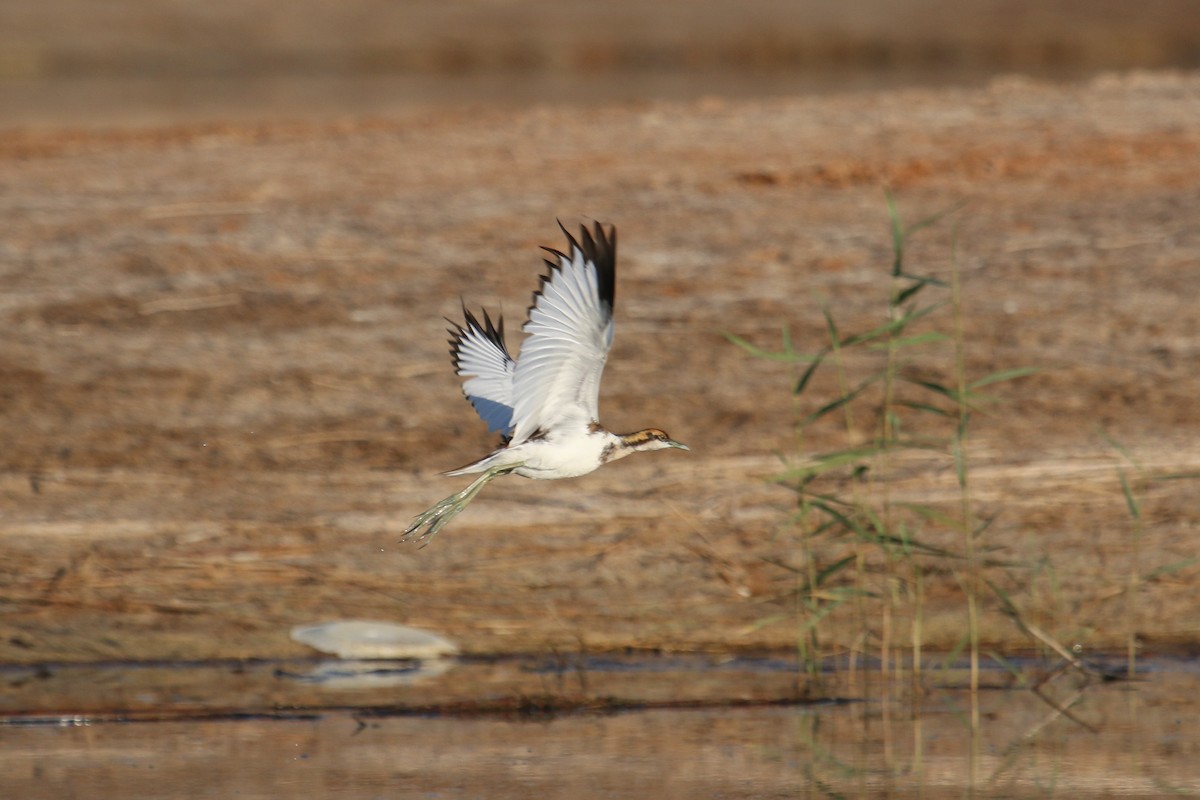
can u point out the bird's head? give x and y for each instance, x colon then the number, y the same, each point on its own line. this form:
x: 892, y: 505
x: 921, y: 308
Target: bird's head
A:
x: 650, y: 439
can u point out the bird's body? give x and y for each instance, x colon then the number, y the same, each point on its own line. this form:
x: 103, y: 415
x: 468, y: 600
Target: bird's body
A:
x: 569, y: 453
x: 545, y: 401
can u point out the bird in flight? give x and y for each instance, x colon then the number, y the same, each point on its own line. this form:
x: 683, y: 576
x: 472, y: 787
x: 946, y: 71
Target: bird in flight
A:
x: 544, y: 402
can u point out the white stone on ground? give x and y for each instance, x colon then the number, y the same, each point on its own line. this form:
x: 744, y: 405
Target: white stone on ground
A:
x: 352, y: 638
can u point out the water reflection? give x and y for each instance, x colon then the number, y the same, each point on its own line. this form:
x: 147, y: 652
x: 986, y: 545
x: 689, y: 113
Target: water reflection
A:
x: 1079, y: 740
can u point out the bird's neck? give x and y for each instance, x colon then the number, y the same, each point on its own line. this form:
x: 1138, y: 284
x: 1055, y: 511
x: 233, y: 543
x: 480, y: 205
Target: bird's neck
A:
x: 622, y: 444
x: 614, y: 445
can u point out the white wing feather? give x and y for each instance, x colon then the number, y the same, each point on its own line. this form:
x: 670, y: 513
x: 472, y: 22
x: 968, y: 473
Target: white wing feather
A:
x: 480, y: 355
x: 570, y: 327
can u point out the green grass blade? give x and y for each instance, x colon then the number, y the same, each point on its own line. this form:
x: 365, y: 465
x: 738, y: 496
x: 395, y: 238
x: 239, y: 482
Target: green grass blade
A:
x: 1167, y: 569
x: 1175, y: 476
x: 915, y: 406
x: 1120, y: 448
x: 1135, y: 510
x: 983, y: 526
x: 935, y: 218
x: 897, y: 234
x: 845, y: 520
x: 937, y: 388
x: 1006, y: 603
x: 929, y: 280
x: 825, y: 527
x: 908, y: 293
x: 960, y: 454
x: 1004, y: 375
x: 889, y: 327
x: 788, y: 355
x: 834, y: 405
x: 802, y: 384
x: 826, y: 462
x: 833, y: 569
x: 1012, y: 669
x: 931, y: 514
x: 919, y: 282
x: 830, y: 325
x: 779, y: 562
x: 764, y: 622
x: 930, y: 337
x: 953, y: 655
x: 825, y: 610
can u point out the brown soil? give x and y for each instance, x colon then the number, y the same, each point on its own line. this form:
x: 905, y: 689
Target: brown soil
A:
x: 225, y: 387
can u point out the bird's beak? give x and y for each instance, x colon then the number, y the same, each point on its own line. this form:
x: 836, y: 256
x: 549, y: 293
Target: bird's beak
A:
x: 680, y: 445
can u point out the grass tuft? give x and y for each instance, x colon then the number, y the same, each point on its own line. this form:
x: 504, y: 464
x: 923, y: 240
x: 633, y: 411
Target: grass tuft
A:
x: 860, y: 555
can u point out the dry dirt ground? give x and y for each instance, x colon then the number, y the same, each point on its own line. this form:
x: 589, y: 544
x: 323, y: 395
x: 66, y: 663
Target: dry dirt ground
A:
x: 225, y: 387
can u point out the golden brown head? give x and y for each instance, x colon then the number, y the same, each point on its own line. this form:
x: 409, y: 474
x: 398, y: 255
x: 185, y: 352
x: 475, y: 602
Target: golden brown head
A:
x: 650, y: 439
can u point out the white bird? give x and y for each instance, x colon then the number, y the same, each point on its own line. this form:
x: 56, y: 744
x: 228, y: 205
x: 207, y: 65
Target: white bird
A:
x: 545, y: 402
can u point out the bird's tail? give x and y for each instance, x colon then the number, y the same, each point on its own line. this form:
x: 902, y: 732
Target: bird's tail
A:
x: 482, y: 465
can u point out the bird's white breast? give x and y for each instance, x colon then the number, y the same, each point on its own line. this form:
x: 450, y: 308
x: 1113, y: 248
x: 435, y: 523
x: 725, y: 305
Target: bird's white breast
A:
x: 565, y: 454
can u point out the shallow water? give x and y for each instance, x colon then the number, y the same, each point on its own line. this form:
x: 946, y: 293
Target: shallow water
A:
x: 1077, y: 738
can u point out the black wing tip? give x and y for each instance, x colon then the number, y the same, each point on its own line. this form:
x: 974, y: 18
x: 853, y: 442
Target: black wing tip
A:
x: 598, y: 246
x: 490, y: 330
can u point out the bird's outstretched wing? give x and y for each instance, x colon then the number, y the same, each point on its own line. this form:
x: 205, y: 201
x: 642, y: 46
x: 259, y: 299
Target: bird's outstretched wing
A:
x: 570, y: 329
x: 480, y: 356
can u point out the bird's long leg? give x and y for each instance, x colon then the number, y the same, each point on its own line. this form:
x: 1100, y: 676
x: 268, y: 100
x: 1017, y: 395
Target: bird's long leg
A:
x: 434, y: 519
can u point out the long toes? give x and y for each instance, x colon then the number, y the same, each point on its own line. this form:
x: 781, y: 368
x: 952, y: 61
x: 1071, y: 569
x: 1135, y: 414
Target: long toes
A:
x: 412, y: 530
x: 415, y: 526
x: 431, y: 521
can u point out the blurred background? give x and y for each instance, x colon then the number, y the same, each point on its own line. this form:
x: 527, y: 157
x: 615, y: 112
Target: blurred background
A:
x: 225, y: 391
x: 136, y: 62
